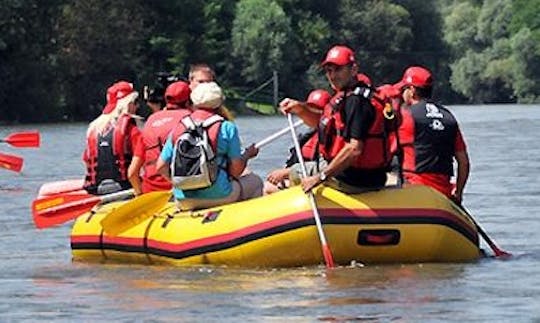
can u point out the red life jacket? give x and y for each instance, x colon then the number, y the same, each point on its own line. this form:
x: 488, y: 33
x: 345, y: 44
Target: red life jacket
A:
x: 376, y: 149
x: 108, y: 154
x: 309, y: 149
x: 154, y: 135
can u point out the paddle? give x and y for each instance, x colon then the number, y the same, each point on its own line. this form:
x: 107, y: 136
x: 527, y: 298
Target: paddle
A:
x: 23, y: 139
x: 57, y: 209
x: 134, y: 212
x: 11, y: 162
x: 146, y: 205
x: 496, y: 250
x: 328, y: 259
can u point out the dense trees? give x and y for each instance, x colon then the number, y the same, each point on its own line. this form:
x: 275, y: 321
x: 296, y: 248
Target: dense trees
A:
x: 57, y: 57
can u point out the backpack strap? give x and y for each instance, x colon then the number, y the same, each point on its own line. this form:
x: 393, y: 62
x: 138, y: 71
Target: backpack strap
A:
x: 188, y: 123
x: 210, y: 121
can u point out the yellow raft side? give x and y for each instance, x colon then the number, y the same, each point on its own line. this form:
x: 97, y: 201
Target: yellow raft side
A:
x: 413, y: 224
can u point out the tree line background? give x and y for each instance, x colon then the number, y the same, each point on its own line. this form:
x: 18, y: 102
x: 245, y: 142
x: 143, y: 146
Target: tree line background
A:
x: 57, y: 57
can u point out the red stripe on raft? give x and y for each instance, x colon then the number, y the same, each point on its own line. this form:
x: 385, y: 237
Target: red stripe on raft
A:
x: 229, y: 236
x: 284, y: 220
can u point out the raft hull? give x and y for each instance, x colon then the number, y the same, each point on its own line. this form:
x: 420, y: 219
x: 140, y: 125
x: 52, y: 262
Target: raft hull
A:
x: 409, y: 225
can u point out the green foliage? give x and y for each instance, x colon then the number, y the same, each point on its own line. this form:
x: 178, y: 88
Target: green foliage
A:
x: 500, y: 66
x: 379, y: 33
x: 526, y: 66
x: 260, y: 34
x: 101, y: 43
x: 57, y: 57
x: 525, y: 14
x: 460, y: 27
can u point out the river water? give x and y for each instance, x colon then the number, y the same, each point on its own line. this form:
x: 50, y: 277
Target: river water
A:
x: 39, y: 282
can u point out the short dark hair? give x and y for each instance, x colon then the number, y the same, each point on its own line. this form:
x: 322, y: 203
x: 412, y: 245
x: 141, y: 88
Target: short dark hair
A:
x: 424, y: 92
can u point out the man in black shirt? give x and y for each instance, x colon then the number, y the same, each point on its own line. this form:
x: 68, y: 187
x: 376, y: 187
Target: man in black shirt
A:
x: 348, y: 129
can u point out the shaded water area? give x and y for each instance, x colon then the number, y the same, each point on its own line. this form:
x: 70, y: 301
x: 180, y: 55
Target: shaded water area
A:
x: 39, y: 281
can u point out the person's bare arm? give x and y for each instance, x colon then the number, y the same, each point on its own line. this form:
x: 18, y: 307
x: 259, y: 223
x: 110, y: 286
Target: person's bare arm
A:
x: 310, y: 118
x: 463, y: 169
x: 133, y: 174
x: 162, y: 167
x: 237, y: 165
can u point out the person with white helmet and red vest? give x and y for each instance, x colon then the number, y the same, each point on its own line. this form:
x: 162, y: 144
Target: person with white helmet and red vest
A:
x: 111, y: 138
x: 430, y: 137
x: 278, y: 178
x: 231, y: 184
x: 153, y: 138
x: 350, y: 130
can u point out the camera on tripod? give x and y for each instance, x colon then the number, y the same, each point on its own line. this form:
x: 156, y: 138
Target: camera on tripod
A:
x: 155, y: 93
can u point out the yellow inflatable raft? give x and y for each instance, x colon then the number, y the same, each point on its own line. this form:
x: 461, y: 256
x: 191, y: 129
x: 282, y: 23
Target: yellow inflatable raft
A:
x: 413, y: 224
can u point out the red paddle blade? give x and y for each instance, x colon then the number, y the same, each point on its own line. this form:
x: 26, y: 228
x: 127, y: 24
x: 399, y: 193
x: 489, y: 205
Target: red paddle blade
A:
x: 58, y: 209
x: 11, y: 162
x: 23, y: 139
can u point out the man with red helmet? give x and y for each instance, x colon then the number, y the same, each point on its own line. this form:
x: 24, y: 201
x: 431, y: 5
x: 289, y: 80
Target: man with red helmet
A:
x: 430, y: 137
x: 316, y: 101
x: 154, y: 135
x: 348, y: 129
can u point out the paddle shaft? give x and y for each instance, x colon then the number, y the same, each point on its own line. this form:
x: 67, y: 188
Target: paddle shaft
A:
x: 278, y: 134
x: 496, y: 250
x: 57, y: 209
x: 327, y: 254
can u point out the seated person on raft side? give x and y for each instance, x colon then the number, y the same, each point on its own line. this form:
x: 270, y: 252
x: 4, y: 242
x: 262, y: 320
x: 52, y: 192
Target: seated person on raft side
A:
x: 279, y: 178
x: 153, y: 137
x: 110, y: 141
x: 349, y: 129
x: 230, y: 184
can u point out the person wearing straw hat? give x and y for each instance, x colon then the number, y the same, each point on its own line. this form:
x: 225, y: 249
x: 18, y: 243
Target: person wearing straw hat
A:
x: 230, y: 184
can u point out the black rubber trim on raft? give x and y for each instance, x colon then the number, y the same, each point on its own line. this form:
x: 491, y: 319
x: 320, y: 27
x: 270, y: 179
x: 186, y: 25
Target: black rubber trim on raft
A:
x: 276, y: 230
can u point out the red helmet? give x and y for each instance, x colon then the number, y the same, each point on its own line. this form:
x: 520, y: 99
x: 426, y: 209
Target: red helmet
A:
x: 361, y: 77
x: 416, y: 76
x: 115, y: 92
x: 318, y: 99
x: 177, y: 93
x: 339, y: 55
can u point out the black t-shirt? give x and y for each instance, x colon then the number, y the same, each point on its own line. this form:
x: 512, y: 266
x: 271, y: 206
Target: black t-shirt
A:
x: 358, y: 115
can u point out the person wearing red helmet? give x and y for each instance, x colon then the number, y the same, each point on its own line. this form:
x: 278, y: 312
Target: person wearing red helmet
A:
x: 154, y: 135
x: 430, y: 137
x: 110, y: 141
x: 349, y: 129
x: 278, y: 178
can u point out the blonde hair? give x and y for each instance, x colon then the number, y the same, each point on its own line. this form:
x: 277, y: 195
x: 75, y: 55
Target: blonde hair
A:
x: 122, y: 107
x: 225, y: 113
